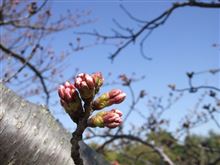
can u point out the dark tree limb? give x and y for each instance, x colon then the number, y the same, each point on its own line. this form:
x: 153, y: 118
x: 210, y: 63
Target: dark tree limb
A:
x: 24, y: 64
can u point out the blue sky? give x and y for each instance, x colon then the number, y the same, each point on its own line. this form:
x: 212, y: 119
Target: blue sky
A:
x: 183, y: 44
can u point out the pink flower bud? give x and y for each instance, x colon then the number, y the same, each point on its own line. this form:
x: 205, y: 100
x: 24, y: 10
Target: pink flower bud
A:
x: 67, y: 84
x: 114, y: 92
x: 98, y: 80
x: 61, y: 91
x: 109, y: 119
x: 89, y: 81
x: 115, y: 96
x: 118, y: 99
x: 85, y: 84
x: 70, y: 100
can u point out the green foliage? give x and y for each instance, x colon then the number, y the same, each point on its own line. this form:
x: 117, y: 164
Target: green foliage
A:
x: 195, y: 149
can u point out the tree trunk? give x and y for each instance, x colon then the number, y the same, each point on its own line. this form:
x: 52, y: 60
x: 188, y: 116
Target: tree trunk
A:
x: 30, y: 135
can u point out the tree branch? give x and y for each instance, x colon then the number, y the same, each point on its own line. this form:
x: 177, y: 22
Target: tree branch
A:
x: 156, y: 149
x: 147, y: 26
x: 160, y: 20
x: 32, y: 67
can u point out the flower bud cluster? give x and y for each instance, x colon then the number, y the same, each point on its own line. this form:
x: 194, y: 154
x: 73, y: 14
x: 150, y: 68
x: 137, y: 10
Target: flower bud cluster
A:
x: 84, y: 90
x: 88, y: 85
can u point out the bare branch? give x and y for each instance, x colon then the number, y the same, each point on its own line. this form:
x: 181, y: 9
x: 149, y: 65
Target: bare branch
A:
x: 131, y: 16
x: 25, y: 17
x: 148, y: 25
x: 33, y: 68
x: 157, y: 150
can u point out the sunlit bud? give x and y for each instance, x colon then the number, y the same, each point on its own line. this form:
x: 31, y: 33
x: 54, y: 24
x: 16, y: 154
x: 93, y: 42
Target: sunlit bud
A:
x: 85, y: 84
x: 67, y: 84
x: 98, y: 80
x: 115, y: 96
x: 61, y: 91
x: 69, y: 99
x: 109, y: 119
x: 117, y: 99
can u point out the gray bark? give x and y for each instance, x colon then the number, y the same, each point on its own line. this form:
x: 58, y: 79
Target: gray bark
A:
x: 29, y: 135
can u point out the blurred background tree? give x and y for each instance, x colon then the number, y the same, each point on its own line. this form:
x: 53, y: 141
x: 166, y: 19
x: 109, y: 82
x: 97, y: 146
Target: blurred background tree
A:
x: 33, y: 66
x: 28, y: 60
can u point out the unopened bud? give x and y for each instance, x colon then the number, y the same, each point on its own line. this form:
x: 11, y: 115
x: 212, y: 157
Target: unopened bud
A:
x: 84, y: 83
x: 98, y: 80
x: 115, y: 96
x: 69, y: 99
x: 109, y: 119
